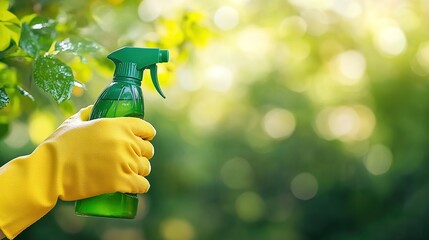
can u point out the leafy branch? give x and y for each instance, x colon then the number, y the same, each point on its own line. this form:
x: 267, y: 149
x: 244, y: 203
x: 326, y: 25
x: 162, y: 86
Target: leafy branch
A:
x: 34, y: 37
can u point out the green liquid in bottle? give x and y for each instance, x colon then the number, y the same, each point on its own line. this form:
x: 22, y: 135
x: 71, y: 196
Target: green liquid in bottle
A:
x: 114, y: 205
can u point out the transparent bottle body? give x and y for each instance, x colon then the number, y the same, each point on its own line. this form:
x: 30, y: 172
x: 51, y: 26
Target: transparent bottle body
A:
x: 120, y: 99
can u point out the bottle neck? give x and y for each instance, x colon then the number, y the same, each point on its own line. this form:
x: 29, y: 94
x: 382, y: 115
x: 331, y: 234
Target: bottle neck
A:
x: 127, y: 80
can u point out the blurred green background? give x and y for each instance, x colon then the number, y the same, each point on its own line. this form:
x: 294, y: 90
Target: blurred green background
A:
x: 299, y: 119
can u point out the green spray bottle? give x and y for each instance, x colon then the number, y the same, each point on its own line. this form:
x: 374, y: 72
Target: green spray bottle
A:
x: 123, y: 98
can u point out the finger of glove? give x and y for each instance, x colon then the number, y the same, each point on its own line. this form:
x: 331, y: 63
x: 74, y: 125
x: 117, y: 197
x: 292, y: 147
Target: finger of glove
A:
x: 143, y: 148
x: 140, y: 166
x: 135, y: 184
x: 82, y: 115
x: 85, y: 113
x: 138, y: 127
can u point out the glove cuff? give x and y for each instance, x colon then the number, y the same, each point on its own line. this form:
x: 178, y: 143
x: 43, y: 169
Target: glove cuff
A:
x: 29, y: 188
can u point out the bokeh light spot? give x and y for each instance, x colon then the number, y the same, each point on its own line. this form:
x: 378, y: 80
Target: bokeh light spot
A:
x: 250, y: 206
x: 342, y: 121
x: 311, y: 4
x: 236, y: 173
x: 241, y: 2
x: 352, y: 65
x: 207, y: 112
x: 220, y: 78
x: 346, y: 123
x: 347, y: 8
x: 293, y: 26
x: 18, y: 136
x: 41, y: 125
x: 149, y: 10
x: 187, y: 80
x: 67, y: 220
x: 279, y: 123
x: 390, y: 39
x: 122, y: 233
x: 177, y: 229
x: 378, y: 159
x: 253, y: 36
x: 422, y: 56
x: 299, y: 51
x: 104, y: 16
x: 226, y: 18
x: 304, y: 186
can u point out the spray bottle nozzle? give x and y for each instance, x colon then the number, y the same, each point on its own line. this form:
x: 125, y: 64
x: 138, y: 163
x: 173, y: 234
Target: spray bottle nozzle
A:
x: 132, y: 61
x: 164, y: 56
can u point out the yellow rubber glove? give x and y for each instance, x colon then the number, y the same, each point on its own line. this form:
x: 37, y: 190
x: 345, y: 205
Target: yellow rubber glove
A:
x: 80, y: 159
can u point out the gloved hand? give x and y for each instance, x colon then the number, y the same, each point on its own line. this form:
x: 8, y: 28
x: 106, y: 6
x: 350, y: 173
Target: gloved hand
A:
x: 80, y: 159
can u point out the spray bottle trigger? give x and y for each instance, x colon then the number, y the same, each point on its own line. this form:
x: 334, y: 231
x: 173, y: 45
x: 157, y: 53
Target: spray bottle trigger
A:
x: 154, y: 76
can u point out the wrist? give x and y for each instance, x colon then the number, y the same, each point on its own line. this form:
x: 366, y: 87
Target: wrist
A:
x: 44, y: 169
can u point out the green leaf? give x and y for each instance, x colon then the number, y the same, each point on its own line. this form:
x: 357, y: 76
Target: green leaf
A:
x: 28, y: 41
x: 54, y: 77
x: 4, y: 5
x: 79, y: 46
x: 9, y: 17
x: 4, y: 98
x: 38, y: 34
x: 10, y: 29
x: 5, y: 39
